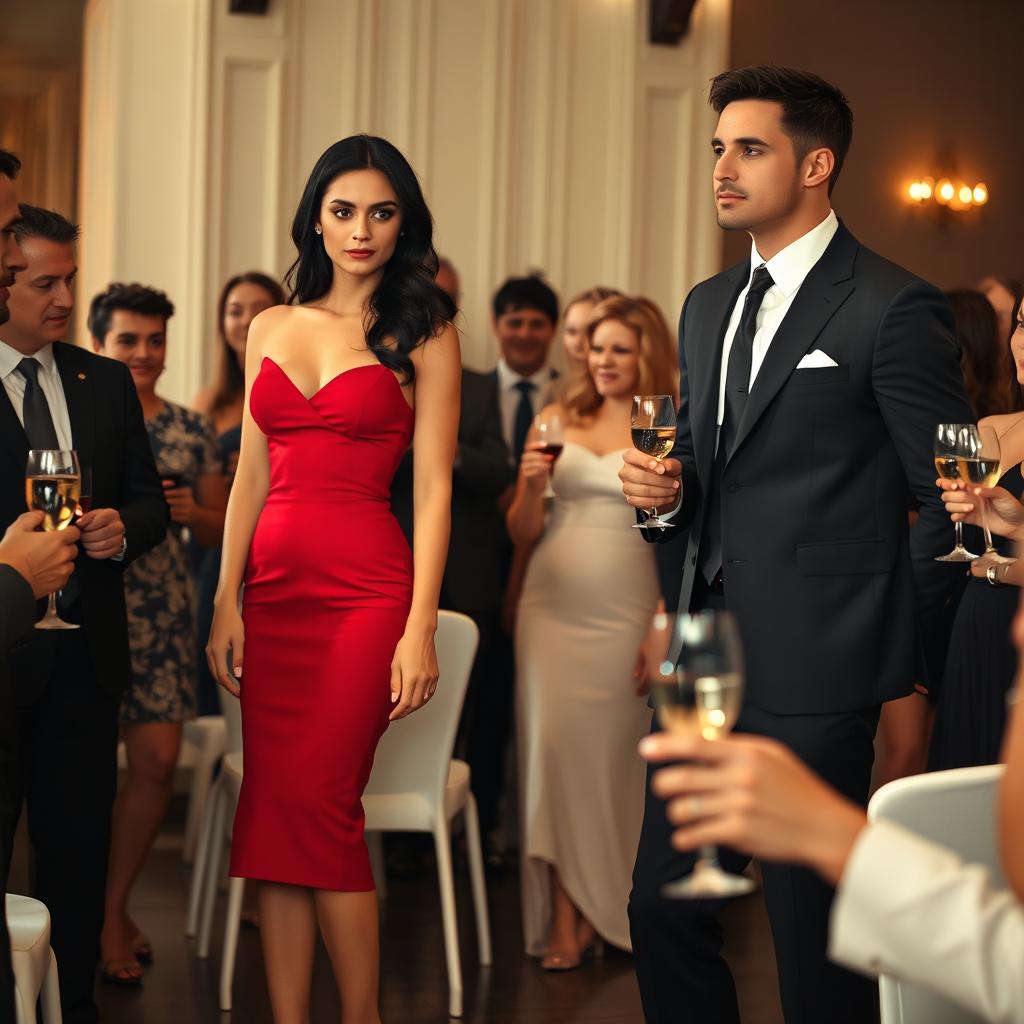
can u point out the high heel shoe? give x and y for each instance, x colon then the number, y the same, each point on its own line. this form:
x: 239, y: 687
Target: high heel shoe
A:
x: 561, y: 960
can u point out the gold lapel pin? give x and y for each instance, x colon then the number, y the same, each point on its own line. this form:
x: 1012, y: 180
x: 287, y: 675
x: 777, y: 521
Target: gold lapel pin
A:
x: 81, y: 376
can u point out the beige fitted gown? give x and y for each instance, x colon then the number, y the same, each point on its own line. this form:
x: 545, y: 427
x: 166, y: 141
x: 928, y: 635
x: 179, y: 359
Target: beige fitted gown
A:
x: 586, y: 605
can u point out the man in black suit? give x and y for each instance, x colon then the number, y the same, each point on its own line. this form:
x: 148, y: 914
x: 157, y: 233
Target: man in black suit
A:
x: 32, y: 565
x: 473, y: 572
x: 68, y: 684
x: 812, y: 378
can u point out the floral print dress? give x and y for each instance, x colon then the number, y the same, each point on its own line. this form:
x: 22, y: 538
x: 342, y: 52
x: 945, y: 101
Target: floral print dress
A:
x: 158, y: 585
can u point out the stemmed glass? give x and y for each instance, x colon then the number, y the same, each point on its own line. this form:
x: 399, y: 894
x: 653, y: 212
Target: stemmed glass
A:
x: 698, y: 689
x: 550, y: 434
x: 52, y: 485
x: 952, y: 441
x: 978, y: 466
x: 653, y: 425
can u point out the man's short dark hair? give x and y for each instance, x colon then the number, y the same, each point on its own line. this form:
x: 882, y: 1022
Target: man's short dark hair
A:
x: 9, y: 164
x: 530, y: 292
x: 39, y: 223
x: 814, y: 113
x: 135, y: 298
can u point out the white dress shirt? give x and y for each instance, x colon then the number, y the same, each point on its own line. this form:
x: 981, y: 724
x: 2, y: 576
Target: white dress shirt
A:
x: 910, y: 908
x: 509, y: 396
x: 49, y: 381
x: 788, y: 269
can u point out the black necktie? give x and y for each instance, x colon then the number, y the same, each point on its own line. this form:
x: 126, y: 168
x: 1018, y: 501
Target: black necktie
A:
x: 524, y: 417
x: 737, y: 388
x: 36, y: 412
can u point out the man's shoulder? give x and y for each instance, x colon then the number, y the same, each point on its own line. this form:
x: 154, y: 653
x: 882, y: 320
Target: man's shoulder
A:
x: 876, y: 271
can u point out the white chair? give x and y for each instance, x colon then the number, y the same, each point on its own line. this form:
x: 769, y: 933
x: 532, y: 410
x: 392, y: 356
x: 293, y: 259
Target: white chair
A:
x: 957, y: 809
x: 205, y: 843
x: 415, y: 786
x: 206, y: 738
x: 35, y: 966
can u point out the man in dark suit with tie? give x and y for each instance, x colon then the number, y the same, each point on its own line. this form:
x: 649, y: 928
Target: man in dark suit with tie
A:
x: 68, y: 684
x: 812, y: 378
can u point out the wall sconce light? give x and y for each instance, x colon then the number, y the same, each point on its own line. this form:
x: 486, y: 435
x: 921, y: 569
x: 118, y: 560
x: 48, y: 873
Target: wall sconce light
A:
x: 954, y: 196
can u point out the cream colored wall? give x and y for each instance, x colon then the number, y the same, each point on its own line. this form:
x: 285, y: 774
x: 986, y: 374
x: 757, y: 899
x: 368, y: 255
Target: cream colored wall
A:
x: 546, y: 133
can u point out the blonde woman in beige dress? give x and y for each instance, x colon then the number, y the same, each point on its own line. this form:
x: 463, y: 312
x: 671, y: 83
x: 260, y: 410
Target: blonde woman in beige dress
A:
x: 587, y: 600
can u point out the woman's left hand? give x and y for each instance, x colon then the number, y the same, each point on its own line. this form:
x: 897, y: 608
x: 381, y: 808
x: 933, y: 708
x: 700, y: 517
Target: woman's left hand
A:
x: 182, y: 503
x: 413, y: 673
x: 980, y: 565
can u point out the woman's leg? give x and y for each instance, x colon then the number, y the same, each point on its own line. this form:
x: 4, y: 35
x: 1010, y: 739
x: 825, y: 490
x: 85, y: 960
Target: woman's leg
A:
x: 565, y: 921
x: 349, y: 925
x: 152, y: 749
x: 288, y: 936
x: 905, y: 726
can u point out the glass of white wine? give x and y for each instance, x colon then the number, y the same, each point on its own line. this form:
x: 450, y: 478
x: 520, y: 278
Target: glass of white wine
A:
x: 653, y: 425
x: 951, y: 441
x: 978, y: 466
x: 698, y: 690
x: 52, y: 485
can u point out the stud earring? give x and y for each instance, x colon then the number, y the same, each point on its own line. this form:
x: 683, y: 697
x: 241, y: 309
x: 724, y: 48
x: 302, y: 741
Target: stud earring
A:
x: 318, y: 229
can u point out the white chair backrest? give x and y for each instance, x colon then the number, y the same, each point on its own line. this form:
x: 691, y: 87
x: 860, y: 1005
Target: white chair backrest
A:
x: 231, y: 708
x: 414, y: 754
x: 957, y: 809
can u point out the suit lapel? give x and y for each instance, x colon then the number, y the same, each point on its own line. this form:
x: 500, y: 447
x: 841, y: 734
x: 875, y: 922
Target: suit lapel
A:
x: 12, y: 433
x: 707, y: 362
x: 823, y: 291
x: 79, y: 397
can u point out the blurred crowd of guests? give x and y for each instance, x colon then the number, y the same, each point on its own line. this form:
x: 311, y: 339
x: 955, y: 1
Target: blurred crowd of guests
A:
x: 542, y: 558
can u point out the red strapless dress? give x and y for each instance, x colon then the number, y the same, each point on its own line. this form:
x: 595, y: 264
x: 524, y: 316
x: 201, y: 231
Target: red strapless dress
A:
x: 328, y: 585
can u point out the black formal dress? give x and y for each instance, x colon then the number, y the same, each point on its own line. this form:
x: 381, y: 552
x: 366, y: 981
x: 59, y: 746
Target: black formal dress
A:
x: 68, y: 684
x: 473, y: 575
x: 828, y: 588
x: 17, y: 613
x: 981, y: 664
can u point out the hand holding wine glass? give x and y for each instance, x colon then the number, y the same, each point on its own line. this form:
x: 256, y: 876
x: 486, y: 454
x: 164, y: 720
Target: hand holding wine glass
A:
x: 653, y: 426
x: 52, y: 483
x: 1004, y: 511
x: 698, y: 692
x: 549, y: 439
x: 978, y: 467
x: 45, y: 560
x: 951, y: 441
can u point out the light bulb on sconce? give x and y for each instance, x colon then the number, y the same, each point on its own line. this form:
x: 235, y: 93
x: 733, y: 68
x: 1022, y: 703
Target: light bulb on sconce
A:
x: 956, y: 196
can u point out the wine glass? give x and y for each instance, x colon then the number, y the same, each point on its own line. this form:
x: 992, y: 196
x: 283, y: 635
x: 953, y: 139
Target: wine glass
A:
x: 950, y: 442
x: 698, y: 689
x: 550, y: 434
x: 978, y: 466
x: 653, y: 424
x: 52, y: 485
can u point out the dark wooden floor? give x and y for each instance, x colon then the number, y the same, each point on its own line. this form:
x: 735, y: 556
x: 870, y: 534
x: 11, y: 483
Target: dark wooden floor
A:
x: 180, y: 988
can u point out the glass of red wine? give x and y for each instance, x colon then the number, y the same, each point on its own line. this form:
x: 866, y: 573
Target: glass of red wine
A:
x: 549, y: 432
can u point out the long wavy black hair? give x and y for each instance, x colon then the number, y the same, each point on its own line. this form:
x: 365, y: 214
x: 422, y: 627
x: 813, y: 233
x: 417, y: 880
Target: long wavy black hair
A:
x: 408, y: 307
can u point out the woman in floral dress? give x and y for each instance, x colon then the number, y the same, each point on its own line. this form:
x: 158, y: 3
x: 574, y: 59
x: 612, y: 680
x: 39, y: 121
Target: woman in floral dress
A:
x: 129, y: 323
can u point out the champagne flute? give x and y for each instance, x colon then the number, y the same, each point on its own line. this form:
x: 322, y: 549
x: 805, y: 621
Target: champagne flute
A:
x: 698, y: 690
x: 550, y: 433
x: 950, y: 442
x: 52, y: 485
x: 978, y: 466
x: 653, y: 425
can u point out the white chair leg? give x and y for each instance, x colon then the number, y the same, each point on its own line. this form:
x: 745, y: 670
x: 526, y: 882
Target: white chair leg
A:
x: 202, y: 777
x: 20, y: 1013
x: 51, y: 994
x: 213, y: 867
x: 443, y: 849
x: 232, y: 920
x: 476, y: 875
x: 375, y: 844
x: 199, y: 869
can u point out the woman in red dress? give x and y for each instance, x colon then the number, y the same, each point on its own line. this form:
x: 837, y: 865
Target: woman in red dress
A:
x: 336, y: 633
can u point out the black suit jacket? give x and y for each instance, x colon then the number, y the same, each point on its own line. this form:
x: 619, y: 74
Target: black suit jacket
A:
x: 110, y: 436
x: 473, y: 572
x: 833, y: 596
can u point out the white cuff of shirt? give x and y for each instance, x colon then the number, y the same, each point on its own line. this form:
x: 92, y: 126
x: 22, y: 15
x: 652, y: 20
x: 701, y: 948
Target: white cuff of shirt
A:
x: 910, y: 908
x: 119, y: 557
x: 678, y: 506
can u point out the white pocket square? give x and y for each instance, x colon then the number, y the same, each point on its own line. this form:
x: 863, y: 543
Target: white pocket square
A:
x: 815, y: 360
